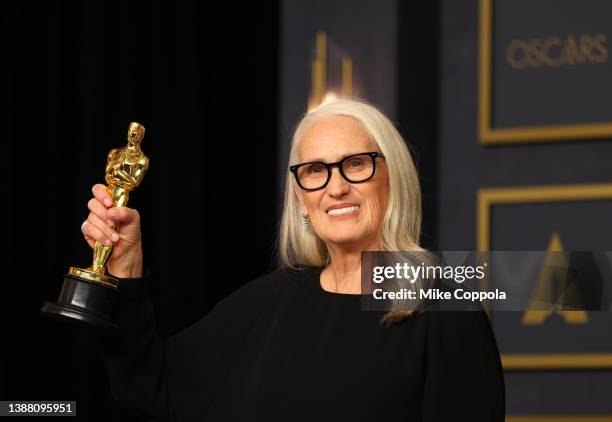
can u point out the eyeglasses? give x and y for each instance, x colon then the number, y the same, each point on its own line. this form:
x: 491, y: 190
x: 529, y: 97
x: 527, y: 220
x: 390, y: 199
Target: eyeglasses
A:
x: 355, y: 168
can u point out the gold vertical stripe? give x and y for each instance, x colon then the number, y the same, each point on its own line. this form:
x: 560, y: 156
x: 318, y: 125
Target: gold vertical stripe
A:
x: 483, y: 220
x: 321, y: 66
x: 314, y: 88
x: 484, y: 86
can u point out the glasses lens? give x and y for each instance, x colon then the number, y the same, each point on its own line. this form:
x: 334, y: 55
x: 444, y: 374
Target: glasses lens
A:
x: 313, y: 175
x: 358, y: 168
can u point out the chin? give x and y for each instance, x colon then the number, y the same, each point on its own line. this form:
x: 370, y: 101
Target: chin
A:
x: 344, y: 236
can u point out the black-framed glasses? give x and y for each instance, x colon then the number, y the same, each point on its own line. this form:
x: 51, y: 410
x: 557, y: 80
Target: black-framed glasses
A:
x: 355, y: 168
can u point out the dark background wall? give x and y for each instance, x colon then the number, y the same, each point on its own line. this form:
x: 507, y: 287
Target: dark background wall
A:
x: 203, y: 81
x: 466, y: 165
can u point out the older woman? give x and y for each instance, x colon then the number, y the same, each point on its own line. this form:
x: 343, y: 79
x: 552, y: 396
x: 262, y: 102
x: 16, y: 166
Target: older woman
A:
x: 294, y: 344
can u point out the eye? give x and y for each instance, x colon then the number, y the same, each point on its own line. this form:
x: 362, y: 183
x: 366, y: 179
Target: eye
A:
x: 356, y: 162
x: 315, y: 168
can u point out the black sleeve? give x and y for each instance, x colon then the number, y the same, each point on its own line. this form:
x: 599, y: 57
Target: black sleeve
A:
x: 464, y: 378
x: 134, y: 357
x: 174, y: 379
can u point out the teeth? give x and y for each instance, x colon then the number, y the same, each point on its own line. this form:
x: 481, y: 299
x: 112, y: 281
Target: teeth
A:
x: 340, y: 211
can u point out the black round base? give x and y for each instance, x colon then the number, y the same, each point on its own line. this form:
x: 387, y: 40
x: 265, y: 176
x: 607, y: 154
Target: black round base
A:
x: 84, y: 303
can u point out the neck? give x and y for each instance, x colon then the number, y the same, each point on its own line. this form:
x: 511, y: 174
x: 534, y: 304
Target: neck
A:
x: 343, y: 273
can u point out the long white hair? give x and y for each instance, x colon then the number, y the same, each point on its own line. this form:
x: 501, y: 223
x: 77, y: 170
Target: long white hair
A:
x: 401, y: 226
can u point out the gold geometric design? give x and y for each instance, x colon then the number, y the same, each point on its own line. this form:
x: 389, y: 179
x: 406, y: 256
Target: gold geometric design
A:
x: 549, y: 133
x: 554, y: 265
x: 487, y: 198
x: 319, y: 68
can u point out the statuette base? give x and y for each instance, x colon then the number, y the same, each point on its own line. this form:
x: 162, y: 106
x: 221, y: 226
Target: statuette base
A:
x: 87, y: 298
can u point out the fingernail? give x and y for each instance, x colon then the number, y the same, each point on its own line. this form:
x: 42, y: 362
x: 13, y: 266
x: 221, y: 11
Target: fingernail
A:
x: 107, y: 242
x: 115, y: 237
x: 110, y: 223
x: 108, y: 202
x: 112, y: 213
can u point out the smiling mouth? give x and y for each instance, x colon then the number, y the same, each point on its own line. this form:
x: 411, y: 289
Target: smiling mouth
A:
x: 343, y: 211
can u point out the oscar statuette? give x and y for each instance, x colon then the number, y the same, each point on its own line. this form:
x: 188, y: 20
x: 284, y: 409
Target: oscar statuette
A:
x: 88, y: 295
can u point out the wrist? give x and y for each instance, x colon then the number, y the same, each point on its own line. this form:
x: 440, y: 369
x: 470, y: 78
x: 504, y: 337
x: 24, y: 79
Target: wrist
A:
x: 130, y: 266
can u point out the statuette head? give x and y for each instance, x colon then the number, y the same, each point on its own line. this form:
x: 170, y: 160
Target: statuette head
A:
x: 135, y: 133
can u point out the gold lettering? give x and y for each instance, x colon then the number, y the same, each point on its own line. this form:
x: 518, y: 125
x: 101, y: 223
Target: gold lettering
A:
x: 599, y: 44
x: 548, y: 58
x: 517, y: 63
x: 572, y: 54
x: 555, y: 51
x: 538, y: 55
x: 586, y: 46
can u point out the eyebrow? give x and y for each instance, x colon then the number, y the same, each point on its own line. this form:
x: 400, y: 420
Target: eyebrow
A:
x: 322, y: 160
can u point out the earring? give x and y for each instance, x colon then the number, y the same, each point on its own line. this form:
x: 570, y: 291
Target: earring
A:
x: 305, y: 222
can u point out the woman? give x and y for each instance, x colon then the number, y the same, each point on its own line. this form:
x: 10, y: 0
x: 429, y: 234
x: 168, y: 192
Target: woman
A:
x: 294, y: 344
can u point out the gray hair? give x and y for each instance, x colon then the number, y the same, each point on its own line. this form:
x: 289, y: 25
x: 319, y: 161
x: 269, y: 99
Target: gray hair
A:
x: 401, y: 226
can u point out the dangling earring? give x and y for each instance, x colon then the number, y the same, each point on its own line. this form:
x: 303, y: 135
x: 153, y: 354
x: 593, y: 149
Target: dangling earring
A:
x: 305, y: 222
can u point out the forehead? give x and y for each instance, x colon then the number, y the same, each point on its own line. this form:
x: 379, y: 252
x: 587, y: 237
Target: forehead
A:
x: 333, y: 137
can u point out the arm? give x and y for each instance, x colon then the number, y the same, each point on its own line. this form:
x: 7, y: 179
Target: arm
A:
x: 464, y: 378
x: 127, y: 178
x: 110, y: 159
x: 135, y: 357
x: 165, y: 379
x: 175, y: 379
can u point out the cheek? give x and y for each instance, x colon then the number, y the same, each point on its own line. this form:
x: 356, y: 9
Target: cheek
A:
x: 312, y: 201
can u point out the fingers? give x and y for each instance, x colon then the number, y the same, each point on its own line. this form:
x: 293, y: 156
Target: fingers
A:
x: 99, y: 210
x: 103, y: 219
x: 91, y: 242
x: 102, y: 195
x: 103, y: 226
x: 124, y: 215
x: 91, y: 231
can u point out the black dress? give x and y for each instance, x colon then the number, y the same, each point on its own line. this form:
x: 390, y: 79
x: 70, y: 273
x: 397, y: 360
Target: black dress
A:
x: 282, y: 348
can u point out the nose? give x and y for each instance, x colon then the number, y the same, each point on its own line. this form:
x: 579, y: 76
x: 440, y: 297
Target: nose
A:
x: 337, y: 186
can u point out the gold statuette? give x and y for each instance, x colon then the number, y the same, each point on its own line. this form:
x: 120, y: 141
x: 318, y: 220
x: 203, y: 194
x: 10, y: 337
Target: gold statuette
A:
x: 88, y: 295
